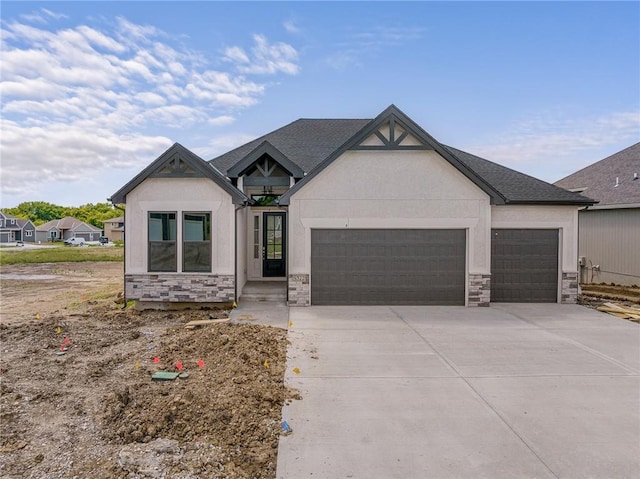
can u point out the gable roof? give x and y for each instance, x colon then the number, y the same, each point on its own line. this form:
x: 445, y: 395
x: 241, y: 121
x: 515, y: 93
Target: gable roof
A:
x: 179, y: 162
x: 598, y: 180
x: 392, y: 116
x: 306, y: 142
x: 516, y: 187
x: 119, y: 219
x: 68, y: 223
x: 502, y: 184
x: 265, y: 148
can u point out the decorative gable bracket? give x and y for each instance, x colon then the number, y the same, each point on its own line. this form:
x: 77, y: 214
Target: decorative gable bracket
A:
x: 176, y: 167
x: 393, y: 134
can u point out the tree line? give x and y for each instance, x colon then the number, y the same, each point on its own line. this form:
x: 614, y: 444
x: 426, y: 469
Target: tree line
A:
x: 39, y: 212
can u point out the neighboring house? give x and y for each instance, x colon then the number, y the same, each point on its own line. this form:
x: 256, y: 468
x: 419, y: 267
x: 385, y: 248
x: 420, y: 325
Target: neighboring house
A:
x: 609, y: 232
x: 67, y: 227
x: 114, y: 228
x: 16, y: 229
x: 371, y: 211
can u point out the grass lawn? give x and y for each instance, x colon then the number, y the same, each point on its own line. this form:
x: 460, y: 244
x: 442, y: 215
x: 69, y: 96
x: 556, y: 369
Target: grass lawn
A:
x: 60, y: 254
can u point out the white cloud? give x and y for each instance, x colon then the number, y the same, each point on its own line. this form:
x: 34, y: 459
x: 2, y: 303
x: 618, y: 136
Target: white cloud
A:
x: 356, y: 45
x: 291, y: 27
x: 80, y: 100
x: 42, y: 16
x: 550, y: 145
x: 265, y: 59
x: 221, y: 120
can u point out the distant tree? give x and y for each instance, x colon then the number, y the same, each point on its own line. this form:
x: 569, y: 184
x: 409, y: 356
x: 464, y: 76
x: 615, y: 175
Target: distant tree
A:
x: 40, y: 212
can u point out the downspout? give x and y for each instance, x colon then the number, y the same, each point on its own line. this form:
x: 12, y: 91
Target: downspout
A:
x: 124, y: 256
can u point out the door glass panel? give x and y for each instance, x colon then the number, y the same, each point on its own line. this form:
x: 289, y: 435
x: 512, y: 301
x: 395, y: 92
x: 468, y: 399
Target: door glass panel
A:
x: 274, y: 237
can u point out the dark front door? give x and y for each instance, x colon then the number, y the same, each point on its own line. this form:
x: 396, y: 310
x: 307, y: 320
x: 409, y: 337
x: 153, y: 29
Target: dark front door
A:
x: 274, y: 245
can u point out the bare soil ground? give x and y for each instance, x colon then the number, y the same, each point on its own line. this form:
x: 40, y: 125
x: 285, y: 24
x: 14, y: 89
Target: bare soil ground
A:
x: 94, y: 411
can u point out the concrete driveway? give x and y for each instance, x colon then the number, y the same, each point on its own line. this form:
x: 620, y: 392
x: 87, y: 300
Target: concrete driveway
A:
x: 514, y: 390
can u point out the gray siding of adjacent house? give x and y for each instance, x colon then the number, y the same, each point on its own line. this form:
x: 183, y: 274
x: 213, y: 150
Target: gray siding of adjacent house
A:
x: 610, y: 238
x: 25, y: 237
x: 44, y: 236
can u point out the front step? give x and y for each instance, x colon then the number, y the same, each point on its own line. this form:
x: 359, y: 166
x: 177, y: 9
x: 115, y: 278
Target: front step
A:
x: 271, y: 291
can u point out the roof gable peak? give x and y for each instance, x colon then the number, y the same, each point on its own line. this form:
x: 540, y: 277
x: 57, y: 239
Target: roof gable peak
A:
x: 179, y: 162
x: 398, y: 128
x: 265, y: 148
x: 392, y: 130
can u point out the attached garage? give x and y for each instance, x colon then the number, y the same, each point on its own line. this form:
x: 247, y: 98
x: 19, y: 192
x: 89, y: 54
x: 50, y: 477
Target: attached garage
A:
x: 524, y: 265
x: 388, y: 266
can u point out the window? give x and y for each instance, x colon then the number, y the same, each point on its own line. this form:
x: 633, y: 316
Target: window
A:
x: 256, y: 237
x: 162, y: 241
x: 196, y: 242
x: 28, y: 233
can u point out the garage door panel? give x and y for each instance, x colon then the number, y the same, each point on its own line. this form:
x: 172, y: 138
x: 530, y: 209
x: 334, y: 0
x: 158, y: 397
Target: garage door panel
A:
x: 524, y: 265
x: 388, y: 266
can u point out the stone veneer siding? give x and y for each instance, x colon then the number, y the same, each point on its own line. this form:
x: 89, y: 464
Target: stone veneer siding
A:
x: 569, y: 293
x: 299, y: 290
x: 175, y: 288
x: 479, y: 289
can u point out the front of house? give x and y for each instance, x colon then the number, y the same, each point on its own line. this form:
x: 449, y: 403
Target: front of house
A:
x: 66, y: 228
x: 364, y: 211
x: 14, y: 229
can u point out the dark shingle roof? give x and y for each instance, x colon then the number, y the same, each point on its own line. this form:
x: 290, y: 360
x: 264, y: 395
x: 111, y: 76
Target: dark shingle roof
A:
x: 599, y: 179
x: 306, y: 142
x: 517, y: 187
x: 309, y: 142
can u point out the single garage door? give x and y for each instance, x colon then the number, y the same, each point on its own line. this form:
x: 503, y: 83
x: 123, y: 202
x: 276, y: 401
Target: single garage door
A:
x: 383, y: 266
x: 524, y: 265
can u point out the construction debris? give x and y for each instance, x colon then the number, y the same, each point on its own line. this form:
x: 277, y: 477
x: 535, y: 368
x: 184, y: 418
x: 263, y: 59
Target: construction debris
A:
x: 204, y: 322
x: 622, y: 312
x: 164, y: 376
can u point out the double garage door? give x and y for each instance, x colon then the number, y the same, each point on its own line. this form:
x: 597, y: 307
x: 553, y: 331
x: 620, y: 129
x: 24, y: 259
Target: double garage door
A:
x: 386, y: 266
x: 427, y: 267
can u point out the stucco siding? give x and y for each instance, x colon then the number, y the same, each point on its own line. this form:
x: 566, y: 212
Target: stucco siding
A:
x: 397, y: 189
x: 180, y: 195
x: 610, y: 239
x: 564, y: 218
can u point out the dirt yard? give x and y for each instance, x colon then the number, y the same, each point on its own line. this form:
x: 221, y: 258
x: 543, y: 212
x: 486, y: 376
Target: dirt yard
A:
x: 77, y: 399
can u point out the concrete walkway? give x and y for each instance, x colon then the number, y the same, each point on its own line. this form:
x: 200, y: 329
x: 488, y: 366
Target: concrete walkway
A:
x: 266, y: 313
x: 545, y: 391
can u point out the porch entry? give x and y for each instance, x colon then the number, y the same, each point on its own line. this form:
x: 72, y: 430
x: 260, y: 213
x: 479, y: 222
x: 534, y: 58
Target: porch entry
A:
x: 269, y: 245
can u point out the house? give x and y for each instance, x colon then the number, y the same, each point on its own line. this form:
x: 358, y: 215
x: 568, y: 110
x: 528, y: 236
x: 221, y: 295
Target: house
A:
x: 114, y: 228
x: 16, y: 229
x: 348, y: 211
x: 65, y: 228
x: 609, y: 232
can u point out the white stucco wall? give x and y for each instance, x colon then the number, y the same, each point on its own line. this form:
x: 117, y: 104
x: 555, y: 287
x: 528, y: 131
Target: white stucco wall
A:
x: 390, y: 189
x: 564, y: 218
x: 179, y: 195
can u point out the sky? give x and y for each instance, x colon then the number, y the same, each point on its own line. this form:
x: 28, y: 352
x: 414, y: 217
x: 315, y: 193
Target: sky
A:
x: 92, y: 92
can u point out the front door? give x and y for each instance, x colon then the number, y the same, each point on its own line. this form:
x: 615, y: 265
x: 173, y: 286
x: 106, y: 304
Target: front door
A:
x: 274, y: 245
